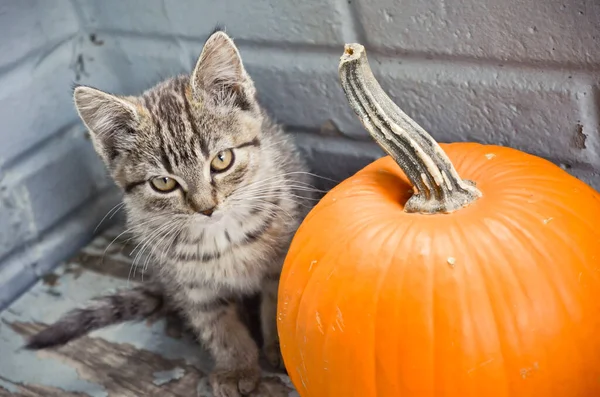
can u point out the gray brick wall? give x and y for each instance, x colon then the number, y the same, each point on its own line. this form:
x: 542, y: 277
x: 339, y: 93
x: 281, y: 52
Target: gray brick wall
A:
x: 521, y: 73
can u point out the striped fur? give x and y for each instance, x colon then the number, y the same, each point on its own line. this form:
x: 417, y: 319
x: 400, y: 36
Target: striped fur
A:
x: 205, y: 264
x: 129, y: 305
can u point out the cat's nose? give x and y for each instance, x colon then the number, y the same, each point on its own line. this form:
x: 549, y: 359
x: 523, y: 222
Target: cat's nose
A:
x: 201, y: 206
x: 208, y: 211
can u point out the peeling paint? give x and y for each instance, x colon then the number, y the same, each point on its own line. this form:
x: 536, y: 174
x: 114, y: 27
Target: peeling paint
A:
x: 203, y: 388
x: 24, y: 366
x: 8, y: 386
x: 163, y: 377
x: 579, y: 138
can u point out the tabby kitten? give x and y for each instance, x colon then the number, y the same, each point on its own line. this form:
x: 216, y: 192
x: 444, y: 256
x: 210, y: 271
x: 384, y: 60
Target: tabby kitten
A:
x: 216, y: 190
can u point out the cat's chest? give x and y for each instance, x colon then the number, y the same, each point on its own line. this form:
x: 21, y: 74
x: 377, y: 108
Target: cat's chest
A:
x: 234, y: 256
x: 240, y: 268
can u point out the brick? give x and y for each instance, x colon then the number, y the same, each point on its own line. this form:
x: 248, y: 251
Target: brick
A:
x: 262, y: 20
x: 301, y: 89
x: 20, y: 270
x: 335, y: 159
x: 30, y: 26
x: 74, y: 231
x: 60, y: 178
x: 35, y: 102
x: 16, y: 226
x: 523, y: 30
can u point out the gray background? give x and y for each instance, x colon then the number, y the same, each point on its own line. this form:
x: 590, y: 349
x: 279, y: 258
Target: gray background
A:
x: 522, y: 73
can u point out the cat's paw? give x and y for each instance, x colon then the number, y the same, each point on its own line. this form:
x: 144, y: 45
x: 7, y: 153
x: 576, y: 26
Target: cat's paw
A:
x: 272, y: 386
x: 235, y: 382
x: 272, y: 352
x: 174, y: 326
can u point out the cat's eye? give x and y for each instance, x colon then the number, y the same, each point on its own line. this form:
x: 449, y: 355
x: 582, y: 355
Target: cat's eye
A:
x: 222, y: 161
x: 164, y: 184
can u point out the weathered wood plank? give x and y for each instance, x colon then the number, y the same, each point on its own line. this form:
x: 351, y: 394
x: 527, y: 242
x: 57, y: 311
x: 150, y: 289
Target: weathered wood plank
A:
x: 38, y: 391
x: 122, y: 369
x: 129, y: 360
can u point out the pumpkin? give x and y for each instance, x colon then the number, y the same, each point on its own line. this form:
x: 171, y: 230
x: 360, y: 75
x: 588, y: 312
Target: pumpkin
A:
x: 406, y: 280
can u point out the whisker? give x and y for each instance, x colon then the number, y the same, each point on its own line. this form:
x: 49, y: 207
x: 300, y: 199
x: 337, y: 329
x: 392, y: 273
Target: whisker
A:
x: 278, y: 185
x: 281, y: 196
x: 153, y: 247
x: 147, y: 238
x: 177, y: 229
x: 181, y: 229
x: 139, y: 227
x: 286, y: 185
x: 310, y: 174
x: 280, y: 181
x: 116, y: 209
x: 267, y: 207
x: 287, y: 139
x: 292, y: 199
x: 145, y: 242
x: 151, y: 235
x: 128, y: 230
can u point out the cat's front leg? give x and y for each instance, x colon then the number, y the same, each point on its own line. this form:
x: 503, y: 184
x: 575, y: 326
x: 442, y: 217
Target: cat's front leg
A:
x: 237, y: 370
x: 268, y: 319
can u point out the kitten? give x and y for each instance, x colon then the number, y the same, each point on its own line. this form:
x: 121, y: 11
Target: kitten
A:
x: 217, y: 190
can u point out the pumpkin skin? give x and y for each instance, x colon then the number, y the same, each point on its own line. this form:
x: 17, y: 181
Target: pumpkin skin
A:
x: 498, y: 299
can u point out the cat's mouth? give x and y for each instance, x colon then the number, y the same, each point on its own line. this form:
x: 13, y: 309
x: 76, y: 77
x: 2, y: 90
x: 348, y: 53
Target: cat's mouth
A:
x: 211, y: 219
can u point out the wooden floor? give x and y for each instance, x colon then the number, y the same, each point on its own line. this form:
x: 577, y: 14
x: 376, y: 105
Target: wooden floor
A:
x: 133, y: 360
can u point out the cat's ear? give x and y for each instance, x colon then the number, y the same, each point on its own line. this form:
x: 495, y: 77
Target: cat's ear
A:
x: 220, y: 73
x: 110, y: 120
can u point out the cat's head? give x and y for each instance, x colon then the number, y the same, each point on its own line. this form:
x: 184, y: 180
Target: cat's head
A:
x: 185, y: 148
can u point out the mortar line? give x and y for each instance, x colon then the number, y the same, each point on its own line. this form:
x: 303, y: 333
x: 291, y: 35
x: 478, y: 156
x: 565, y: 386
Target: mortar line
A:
x: 398, y: 55
x: 40, y: 148
x: 589, y: 110
x: 352, y: 29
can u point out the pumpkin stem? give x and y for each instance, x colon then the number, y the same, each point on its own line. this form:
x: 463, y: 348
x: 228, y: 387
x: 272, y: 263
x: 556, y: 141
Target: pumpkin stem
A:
x: 436, y: 185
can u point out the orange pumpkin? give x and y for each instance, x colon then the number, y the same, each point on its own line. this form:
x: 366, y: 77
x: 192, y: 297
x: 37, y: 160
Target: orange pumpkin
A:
x: 407, y: 281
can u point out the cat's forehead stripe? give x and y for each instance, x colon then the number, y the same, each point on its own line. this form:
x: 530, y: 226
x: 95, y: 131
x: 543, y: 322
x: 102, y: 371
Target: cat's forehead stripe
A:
x: 200, y: 142
x: 167, y: 163
x: 171, y: 112
x: 176, y: 130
